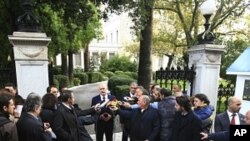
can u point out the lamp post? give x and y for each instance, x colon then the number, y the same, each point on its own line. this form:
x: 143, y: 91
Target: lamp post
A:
x: 207, y: 9
x: 28, y: 22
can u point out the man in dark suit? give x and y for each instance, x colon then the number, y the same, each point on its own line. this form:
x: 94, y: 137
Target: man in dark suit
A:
x: 66, y: 125
x: 145, y: 121
x: 125, y: 123
x: 231, y: 116
x: 30, y: 126
x: 223, y: 135
x: 105, y: 123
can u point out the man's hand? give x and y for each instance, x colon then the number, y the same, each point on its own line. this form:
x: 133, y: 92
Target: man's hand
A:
x: 204, y: 135
x: 97, y: 108
x: 126, y: 105
x: 16, y: 114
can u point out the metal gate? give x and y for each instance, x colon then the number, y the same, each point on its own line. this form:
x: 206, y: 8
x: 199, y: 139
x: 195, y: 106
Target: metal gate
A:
x: 168, y: 77
x: 7, y: 74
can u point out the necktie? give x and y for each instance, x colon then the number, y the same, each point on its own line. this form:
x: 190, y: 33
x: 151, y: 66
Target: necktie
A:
x: 103, y: 98
x: 233, y: 119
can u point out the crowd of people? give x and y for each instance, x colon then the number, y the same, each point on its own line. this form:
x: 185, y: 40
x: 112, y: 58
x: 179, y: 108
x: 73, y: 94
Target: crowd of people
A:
x: 156, y: 115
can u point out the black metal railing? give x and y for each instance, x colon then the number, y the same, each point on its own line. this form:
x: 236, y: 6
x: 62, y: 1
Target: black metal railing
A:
x: 224, y: 92
x: 7, y: 74
x: 168, y: 77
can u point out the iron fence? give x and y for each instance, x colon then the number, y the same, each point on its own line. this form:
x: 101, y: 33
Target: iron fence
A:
x: 168, y: 77
x: 7, y: 74
x: 224, y: 92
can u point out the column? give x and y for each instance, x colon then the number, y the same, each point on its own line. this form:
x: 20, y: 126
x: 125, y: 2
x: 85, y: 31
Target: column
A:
x: 31, y: 59
x: 206, y: 59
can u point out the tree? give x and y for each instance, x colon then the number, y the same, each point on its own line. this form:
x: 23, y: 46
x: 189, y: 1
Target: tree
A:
x: 189, y: 15
x: 142, y: 15
x: 80, y: 20
x: 9, y: 10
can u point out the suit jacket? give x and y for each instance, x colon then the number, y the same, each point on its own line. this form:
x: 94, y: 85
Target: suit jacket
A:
x: 220, y: 136
x: 97, y: 99
x: 186, y: 127
x: 222, y: 121
x: 66, y: 125
x: 144, y: 125
x: 31, y: 129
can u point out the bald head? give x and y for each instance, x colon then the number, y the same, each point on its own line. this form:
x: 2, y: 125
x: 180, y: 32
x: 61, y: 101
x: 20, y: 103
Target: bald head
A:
x: 247, y: 117
x: 234, y: 104
x: 102, y: 89
x: 143, y: 101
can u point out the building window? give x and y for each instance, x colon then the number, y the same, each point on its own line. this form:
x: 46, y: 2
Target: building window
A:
x: 78, y: 59
x: 111, y: 55
x: 246, y: 91
x: 95, y: 58
x: 111, y: 37
x: 103, y: 56
x: 117, y: 36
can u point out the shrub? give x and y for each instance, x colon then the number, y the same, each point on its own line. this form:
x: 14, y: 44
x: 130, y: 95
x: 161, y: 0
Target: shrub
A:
x: 57, y: 70
x: 108, y: 74
x: 120, y: 90
x: 118, y: 80
x: 95, y: 77
x: 56, y: 82
x: 76, y: 81
x: 121, y: 73
x: 117, y: 63
x: 78, y: 70
x: 83, y: 77
x: 133, y: 75
x: 62, y: 79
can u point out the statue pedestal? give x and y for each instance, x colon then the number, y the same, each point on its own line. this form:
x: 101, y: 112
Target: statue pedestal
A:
x: 31, y: 59
x: 206, y: 59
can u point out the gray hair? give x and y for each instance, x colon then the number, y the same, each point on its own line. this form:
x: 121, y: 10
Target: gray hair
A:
x: 32, y: 102
x: 146, y: 99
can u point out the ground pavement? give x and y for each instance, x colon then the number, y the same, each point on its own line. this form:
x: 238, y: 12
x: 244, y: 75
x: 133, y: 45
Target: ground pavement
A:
x: 83, y: 96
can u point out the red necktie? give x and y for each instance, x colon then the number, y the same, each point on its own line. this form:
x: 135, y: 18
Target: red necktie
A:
x: 233, y: 119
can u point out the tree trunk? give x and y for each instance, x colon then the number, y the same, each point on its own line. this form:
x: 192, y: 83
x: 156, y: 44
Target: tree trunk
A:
x: 145, y: 70
x: 86, y: 58
x: 71, y: 67
x: 64, y: 64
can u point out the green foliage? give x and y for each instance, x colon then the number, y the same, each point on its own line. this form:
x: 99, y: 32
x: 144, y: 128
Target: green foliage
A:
x: 83, y: 77
x: 76, y: 81
x: 56, y: 82
x: 95, y: 77
x: 108, y: 74
x: 78, y: 70
x: 62, y: 79
x: 9, y: 11
x: 57, y: 70
x: 120, y: 90
x: 233, y: 51
x: 118, y: 80
x: 117, y: 63
x: 133, y: 75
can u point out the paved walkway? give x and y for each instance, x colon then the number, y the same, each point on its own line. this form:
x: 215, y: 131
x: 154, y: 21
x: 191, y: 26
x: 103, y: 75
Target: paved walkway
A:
x: 83, y: 96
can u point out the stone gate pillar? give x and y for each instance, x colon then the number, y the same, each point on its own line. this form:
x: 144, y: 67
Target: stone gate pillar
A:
x: 206, y: 59
x: 31, y: 59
